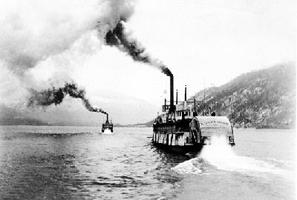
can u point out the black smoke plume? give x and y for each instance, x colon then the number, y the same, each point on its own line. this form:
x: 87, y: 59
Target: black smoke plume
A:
x: 56, y: 95
x: 117, y: 37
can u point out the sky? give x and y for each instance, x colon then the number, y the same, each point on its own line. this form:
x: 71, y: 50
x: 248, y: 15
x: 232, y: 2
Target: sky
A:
x: 203, y: 42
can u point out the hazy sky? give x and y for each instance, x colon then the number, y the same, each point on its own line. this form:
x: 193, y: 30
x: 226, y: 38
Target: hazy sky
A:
x: 204, y: 43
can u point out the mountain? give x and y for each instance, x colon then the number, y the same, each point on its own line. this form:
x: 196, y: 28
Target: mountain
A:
x: 261, y: 99
x: 11, y: 116
x: 146, y: 124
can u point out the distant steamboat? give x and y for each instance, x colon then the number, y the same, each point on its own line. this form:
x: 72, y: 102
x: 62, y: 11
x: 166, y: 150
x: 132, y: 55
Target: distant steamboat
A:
x: 107, y: 125
x: 171, y: 129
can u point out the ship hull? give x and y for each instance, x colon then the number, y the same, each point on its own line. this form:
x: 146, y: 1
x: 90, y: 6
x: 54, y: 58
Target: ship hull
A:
x: 179, y: 149
x: 176, y: 136
x: 107, y: 129
x: 177, y: 142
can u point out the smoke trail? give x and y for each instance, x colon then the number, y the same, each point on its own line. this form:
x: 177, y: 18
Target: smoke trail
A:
x: 35, y: 35
x: 56, y: 95
x: 117, y: 37
x: 34, y: 31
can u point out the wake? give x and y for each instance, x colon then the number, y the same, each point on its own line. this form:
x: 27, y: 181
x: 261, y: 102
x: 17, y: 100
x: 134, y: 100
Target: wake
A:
x: 107, y: 132
x: 219, y: 154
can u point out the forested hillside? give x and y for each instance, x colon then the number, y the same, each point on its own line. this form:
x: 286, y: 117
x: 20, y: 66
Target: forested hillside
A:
x: 261, y: 99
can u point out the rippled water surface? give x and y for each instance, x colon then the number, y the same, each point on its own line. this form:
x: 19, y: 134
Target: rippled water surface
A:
x: 80, y: 163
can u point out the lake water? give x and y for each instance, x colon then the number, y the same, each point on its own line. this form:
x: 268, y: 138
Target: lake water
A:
x: 40, y: 162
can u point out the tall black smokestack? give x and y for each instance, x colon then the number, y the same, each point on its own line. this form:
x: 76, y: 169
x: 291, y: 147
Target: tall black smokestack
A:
x: 185, y: 92
x: 56, y: 96
x: 176, y: 97
x: 172, y: 107
x: 107, y: 117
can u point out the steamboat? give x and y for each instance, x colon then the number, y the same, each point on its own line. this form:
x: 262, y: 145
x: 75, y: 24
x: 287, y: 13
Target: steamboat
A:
x: 108, y: 125
x: 172, y: 129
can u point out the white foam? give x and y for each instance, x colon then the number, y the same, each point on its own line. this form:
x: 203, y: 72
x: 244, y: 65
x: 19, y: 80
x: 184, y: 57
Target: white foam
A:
x: 192, y: 166
x: 107, y: 132
x: 221, y: 155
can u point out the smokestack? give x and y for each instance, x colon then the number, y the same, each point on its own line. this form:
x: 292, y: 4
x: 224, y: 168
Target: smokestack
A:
x: 176, y: 97
x: 107, y: 117
x: 165, y: 101
x: 185, y: 92
x: 172, y: 107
